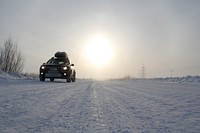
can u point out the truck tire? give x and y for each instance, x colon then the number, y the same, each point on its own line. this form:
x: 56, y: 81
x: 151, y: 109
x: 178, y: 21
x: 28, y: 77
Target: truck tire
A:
x: 69, y: 79
x: 74, y: 78
x: 42, y: 78
x: 51, y: 79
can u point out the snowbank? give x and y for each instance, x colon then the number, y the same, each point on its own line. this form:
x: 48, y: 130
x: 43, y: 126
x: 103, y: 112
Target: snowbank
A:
x: 12, y: 76
x: 187, y: 79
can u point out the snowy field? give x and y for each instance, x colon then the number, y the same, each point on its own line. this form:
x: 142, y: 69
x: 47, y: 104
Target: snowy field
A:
x: 130, y: 106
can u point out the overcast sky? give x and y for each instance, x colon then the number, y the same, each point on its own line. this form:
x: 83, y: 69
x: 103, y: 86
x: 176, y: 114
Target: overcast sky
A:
x: 161, y: 34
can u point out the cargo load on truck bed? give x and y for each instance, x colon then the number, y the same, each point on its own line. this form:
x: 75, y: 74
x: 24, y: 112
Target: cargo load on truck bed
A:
x: 61, y: 55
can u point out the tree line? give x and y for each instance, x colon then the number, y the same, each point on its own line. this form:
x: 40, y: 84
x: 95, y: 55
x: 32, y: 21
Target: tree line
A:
x: 11, y: 58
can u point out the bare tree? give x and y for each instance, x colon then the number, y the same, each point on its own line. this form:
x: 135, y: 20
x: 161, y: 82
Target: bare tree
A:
x: 11, y: 59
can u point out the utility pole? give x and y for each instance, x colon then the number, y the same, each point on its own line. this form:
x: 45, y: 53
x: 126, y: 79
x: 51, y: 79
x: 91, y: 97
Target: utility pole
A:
x: 143, y: 71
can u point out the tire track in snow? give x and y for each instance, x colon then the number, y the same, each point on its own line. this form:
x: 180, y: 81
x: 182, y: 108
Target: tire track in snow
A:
x: 80, y: 113
x: 96, y: 107
x: 118, y: 119
x: 159, y: 107
x: 33, y: 105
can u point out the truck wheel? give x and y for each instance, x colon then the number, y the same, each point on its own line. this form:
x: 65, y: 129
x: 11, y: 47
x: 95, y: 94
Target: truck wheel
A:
x: 51, y: 79
x: 74, y: 78
x: 42, y: 78
x: 69, y: 79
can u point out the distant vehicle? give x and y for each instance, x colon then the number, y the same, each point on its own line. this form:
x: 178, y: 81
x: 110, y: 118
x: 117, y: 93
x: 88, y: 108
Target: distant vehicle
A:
x: 58, y: 67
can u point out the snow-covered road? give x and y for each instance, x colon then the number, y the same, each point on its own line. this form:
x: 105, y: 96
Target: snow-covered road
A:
x: 99, y: 107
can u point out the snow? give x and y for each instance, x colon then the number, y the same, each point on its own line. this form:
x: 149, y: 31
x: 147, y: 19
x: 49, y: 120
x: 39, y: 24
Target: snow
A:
x: 191, y: 79
x: 88, y: 106
x: 12, y: 76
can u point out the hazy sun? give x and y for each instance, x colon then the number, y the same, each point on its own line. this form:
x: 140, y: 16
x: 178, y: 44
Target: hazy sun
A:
x: 99, y: 51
